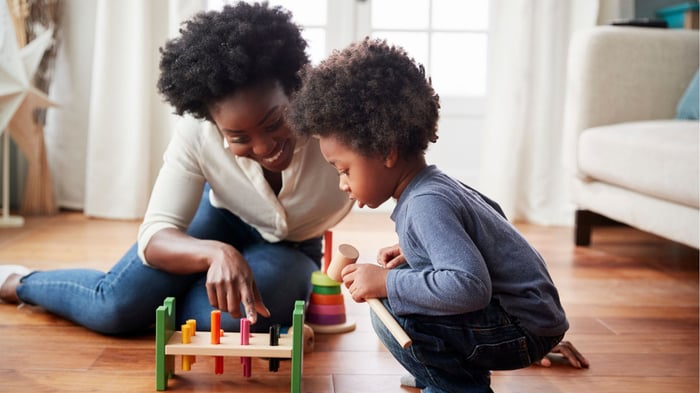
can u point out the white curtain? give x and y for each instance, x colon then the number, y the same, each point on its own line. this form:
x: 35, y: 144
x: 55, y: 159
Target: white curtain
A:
x: 522, y: 163
x: 105, y: 141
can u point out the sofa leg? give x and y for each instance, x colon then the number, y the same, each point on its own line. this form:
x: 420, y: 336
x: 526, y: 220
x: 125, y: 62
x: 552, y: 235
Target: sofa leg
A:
x: 582, y: 225
x: 585, y: 221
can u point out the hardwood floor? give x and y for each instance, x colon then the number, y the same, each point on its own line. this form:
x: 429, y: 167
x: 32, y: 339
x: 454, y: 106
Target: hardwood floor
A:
x: 631, y: 298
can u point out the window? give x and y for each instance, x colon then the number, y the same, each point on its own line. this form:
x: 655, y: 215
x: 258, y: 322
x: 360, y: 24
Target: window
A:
x: 449, y: 37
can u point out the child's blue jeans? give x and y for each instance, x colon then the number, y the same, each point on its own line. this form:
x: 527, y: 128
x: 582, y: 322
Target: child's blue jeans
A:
x: 456, y: 353
x: 124, y: 300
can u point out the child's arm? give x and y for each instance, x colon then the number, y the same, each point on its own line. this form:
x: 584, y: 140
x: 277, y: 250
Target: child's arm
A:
x: 390, y: 257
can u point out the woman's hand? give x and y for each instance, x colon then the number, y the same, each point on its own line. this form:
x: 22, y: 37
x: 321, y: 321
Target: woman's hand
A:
x: 566, y: 350
x: 230, y: 282
x: 365, y: 281
x: 229, y: 278
x: 390, y: 257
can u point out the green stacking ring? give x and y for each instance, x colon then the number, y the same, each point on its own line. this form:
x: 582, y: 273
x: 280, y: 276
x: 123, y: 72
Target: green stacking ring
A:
x: 326, y: 290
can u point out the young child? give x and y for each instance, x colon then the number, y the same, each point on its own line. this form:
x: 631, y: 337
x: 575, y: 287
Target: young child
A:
x: 468, y: 289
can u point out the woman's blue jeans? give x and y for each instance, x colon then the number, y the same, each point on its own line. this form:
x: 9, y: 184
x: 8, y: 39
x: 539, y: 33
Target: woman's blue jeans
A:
x: 124, y: 300
x: 456, y: 353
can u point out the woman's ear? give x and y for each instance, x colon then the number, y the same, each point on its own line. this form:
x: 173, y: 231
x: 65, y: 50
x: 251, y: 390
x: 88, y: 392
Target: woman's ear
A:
x: 392, y: 158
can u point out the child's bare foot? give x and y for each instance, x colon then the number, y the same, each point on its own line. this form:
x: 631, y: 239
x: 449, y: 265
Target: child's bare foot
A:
x: 9, y: 281
x: 567, y: 351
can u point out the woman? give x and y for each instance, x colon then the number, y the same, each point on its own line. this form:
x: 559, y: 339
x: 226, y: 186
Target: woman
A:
x: 240, y: 204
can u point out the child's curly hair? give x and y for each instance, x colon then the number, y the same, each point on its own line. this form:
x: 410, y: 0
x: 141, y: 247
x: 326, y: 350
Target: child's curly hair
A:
x: 219, y: 52
x: 372, y: 97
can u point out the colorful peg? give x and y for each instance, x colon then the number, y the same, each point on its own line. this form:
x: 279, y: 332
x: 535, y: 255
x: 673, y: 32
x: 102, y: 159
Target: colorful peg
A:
x: 186, y: 338
x: 327, y: 247
x: 274, y: 341
x: 216, y: 339
x: 245, y: 340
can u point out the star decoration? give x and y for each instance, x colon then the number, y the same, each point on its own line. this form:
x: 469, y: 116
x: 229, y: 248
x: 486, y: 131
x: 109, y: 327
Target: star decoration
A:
x: 18, y: 101
x: 18, y: 98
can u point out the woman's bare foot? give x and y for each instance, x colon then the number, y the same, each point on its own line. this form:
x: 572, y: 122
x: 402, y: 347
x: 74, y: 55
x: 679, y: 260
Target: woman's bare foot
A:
x: 10, y: 275
x: 8, y: 290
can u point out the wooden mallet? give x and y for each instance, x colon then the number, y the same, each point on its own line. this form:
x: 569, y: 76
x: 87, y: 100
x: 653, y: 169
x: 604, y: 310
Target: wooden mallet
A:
x: 347, y: 255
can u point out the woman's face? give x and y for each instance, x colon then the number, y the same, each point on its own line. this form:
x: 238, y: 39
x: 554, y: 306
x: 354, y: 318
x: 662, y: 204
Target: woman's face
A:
x: 252, y: 124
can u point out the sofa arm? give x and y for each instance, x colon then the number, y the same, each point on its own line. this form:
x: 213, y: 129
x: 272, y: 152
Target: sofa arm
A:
x: 618, y: 74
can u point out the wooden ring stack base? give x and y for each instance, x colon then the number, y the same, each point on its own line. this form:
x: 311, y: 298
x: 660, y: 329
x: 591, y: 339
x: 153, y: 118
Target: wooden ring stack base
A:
x: 326, y: 311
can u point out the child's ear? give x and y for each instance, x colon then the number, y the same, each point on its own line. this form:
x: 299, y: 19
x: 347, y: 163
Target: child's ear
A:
x: 391, y: 158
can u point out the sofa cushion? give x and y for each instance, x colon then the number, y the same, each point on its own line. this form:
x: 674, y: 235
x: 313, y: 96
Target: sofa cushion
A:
x: 657, y: 158
x: 689, y: 105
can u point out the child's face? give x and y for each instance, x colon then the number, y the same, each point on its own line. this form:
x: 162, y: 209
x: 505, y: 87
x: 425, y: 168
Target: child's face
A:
x: 367, y: 180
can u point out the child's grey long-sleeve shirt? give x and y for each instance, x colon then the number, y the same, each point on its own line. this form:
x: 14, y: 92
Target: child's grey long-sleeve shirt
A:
x: 462, y: 253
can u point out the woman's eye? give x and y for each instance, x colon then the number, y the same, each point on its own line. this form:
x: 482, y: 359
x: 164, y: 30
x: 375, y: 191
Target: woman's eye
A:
x: 274, y: 126
x: 239, y: 140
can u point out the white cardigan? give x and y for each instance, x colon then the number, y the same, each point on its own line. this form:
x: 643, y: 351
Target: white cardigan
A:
x: 308, y: 203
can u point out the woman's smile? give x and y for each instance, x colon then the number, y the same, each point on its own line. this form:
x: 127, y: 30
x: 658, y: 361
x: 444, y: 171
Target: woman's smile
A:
x: 271, y: 159
x: 280, y: 158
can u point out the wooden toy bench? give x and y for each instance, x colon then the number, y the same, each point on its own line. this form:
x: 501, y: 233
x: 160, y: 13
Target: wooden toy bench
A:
x: 169, y: 343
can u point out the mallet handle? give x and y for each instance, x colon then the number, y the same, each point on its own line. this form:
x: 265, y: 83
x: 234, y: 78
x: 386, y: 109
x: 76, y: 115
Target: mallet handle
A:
x: 394, y: 328
x: 347, y: 255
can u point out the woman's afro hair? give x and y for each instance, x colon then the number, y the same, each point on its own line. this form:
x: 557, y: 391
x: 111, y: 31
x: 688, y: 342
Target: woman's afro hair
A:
x: 372, y: 97
x: 219, y: 52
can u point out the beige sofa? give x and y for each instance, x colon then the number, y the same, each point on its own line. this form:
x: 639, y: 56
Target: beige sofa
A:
x: 630, y: 160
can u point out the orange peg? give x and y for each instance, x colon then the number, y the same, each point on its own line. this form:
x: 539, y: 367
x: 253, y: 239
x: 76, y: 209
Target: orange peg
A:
x: 216, y: 339
x: 216, y: 327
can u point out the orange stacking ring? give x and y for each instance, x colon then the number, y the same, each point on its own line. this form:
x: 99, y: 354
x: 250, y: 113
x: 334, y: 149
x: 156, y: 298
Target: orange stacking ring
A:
x: 318, y: 298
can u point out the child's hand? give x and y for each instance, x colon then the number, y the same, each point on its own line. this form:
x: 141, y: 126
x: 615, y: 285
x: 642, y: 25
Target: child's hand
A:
x: 365, y: 281
x: 390, y: 257
x: 567, y: 350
